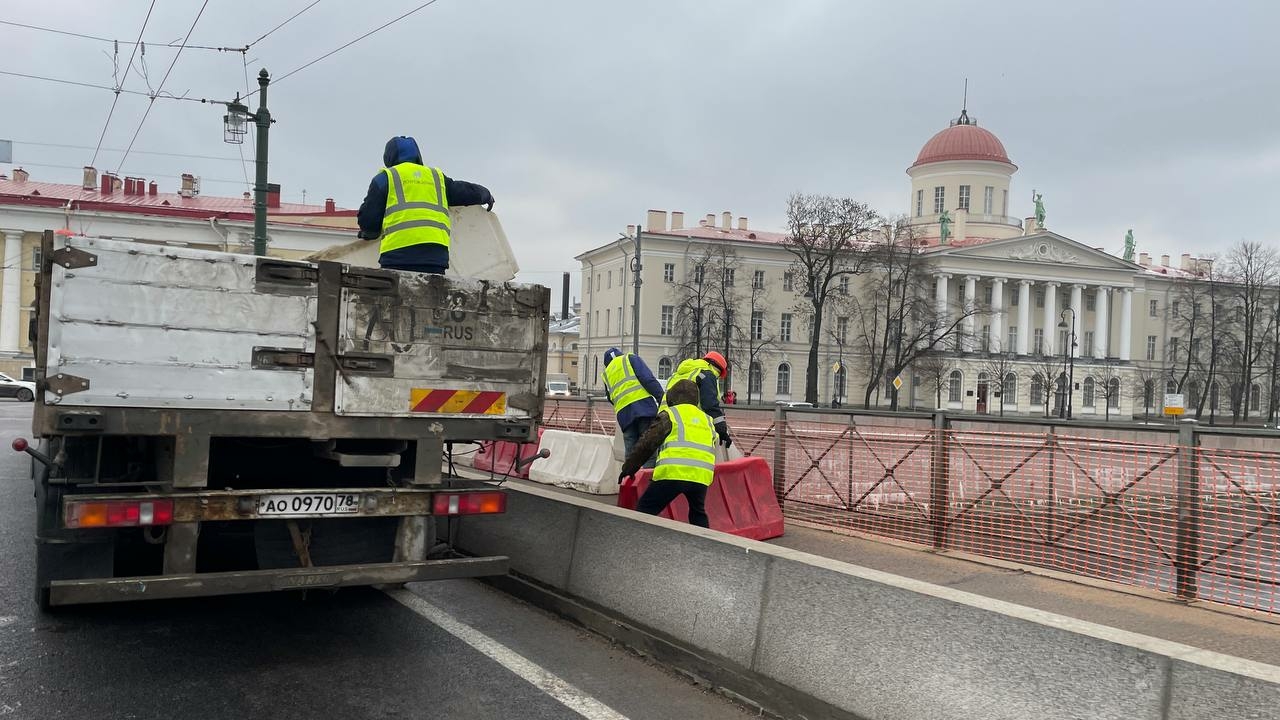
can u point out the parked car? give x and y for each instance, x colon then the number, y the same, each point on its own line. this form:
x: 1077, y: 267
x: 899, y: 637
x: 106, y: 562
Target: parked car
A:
x: 23, y: 390
x: 785, y: 403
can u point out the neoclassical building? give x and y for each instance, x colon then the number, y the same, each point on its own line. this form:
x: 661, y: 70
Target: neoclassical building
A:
x: 1037, y: 288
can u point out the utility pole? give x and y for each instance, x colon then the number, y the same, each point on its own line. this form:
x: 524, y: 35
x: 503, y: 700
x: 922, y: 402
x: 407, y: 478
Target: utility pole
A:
x: 263, y: 119
x: 635, y: 302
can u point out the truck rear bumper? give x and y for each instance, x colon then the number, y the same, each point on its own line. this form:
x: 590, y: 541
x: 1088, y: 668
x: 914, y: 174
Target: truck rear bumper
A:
x: 159, y: 587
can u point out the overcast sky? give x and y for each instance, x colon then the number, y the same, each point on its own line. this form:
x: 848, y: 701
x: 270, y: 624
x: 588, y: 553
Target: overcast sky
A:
x: 580, y: 114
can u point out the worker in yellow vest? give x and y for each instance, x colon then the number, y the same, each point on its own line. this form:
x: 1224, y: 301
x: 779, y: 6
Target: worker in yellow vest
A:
x: 407, y: 205
x: 634, y: 392
x: 685, y: 440
x: 706, y: 373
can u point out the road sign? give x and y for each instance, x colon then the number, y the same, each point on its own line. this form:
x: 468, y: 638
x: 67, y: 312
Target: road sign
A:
x: 1174, y: 404
x: 897, y: 383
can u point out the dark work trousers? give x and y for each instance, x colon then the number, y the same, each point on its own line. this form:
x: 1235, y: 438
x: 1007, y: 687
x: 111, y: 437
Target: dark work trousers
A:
x: 662, y: 492
x: 631, y: 435
x: 428, y: 269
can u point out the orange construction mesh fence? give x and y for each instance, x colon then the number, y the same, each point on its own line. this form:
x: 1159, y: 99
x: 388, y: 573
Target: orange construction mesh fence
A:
x: 1199, y: 522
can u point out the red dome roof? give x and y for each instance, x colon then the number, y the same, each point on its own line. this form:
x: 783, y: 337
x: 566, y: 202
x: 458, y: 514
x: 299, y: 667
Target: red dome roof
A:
x: 962, y: 142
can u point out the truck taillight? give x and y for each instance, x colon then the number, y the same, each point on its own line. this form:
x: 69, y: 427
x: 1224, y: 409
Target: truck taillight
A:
x: 476, y: 503
x: 118, y: 513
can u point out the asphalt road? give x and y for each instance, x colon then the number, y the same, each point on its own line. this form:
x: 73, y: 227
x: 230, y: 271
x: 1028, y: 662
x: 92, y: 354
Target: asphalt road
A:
x: 455, y: 649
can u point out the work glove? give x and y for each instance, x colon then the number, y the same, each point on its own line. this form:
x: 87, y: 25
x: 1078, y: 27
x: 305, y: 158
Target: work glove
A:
x: 623, y: 477
x: 725, y: 440
x: 366, y: 236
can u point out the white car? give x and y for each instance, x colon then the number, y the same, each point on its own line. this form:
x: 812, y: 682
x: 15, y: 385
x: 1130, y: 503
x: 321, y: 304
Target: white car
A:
x: 786, y: 403
x: 558, y: 389
x: 23, y: 390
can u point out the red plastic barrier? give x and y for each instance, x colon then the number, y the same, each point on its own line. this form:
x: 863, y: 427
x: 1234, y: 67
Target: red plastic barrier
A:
x: 500, y: 456
x: 740, y: 501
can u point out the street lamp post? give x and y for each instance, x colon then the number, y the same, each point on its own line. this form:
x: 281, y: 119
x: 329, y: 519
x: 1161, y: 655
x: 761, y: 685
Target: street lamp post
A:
x: 234, y: 125
x: 1069, y: 359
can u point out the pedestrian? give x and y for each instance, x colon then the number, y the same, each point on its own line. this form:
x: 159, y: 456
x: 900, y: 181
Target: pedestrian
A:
x: 634, y: 393
x: 685, y: 440
x: 408, y: 206
x: 705, y: 372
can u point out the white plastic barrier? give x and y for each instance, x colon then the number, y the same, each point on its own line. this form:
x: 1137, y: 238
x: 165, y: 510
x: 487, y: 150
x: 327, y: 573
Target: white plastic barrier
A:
x: 580, y: 462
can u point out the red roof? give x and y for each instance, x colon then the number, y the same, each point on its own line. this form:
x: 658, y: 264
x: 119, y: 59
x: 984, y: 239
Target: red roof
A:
x: 714, y: 233
x: 963, y: 142
x: 42, y: 194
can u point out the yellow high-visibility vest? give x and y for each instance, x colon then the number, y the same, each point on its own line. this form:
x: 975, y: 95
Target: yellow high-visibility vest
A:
x: 417, y: 208
x: 623, y: 386
x: 688, y: 452
x: 690, y: 370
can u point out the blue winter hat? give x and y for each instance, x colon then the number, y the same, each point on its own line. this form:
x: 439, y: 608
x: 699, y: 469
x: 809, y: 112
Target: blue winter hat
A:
x: 610, y: 354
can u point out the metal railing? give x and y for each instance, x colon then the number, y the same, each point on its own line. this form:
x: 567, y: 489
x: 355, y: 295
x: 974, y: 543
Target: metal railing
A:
x: 1182, y: 509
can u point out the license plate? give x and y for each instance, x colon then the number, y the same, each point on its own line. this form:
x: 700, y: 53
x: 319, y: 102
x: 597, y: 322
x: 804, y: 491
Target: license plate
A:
x: 309, y: 505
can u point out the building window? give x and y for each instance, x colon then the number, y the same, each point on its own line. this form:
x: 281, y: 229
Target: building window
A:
x: 1038, y: 339
x: 1113, y: 393
x: 1149, y: 394
x: 1173, y: 349
x: 1151, y: 347
x: 1153, y: 308
x: 964, y: 198
x: 757, y: 280
x: 1004, y: 203
x: 939, y: 199
x: 699, y: 272
x: 36, y: 258
x: 1013, y: 338
x: 597, y: 282
x: 1091, y: 301
x: 664, y: 368
x: 784, y: 328
x: 988, y: 294
x: 728, y: 276
x: 1088, y: 343
x: 608, y: 280
x: 988, y: 198
x: 1255, y: 397
x: 755, y: 381
x: 1176, y: 303
x: 1062, y: 341
x: 784, y: 379
x: 1195, y: 348
x: 844, y: 285
x: 1037, y: 389
x: 986, y: 338
x: 788, y: 283
x: 1009, y: 391
x: 842, y: 329
x: 1193, y: 393
x: 1014, y: 299
x: 1170, y: 387
x: 607, y: 321
x: 668, y: 272
x: 757, y: 325
x: 953, y: 387
x: 619, y: 321
x: 1039, y: 298
x: 1213, y: 396
x: 1088, y: 392
x: 919, y: 203
x: 668, y: 319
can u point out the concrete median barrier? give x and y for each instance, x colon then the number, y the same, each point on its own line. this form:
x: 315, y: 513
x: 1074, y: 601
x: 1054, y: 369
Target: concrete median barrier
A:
x: 807, y: 636
x: 578, y: 461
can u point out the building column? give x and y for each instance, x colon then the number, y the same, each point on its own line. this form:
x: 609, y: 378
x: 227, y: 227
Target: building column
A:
x: 11, y: 295
x: 970, y: 291
x: 1126, y: 323
x: 1077, y: 312
x: 1101, y: 328
x: 997, y: 315
x: 942, y: 279
x: 1050, y: 318
x: 1024, y: 317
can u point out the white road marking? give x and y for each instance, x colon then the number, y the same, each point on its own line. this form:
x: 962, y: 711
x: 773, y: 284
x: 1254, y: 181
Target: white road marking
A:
x: 541, y: 678
x: 7, y: 620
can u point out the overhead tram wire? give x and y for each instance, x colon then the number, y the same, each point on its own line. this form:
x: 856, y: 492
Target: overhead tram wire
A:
x: 119, y: 84
x: 160, y: 88
x: 112, y: 40
x: 286, y: 22
x: 389, y: 23
x: 136, y: 152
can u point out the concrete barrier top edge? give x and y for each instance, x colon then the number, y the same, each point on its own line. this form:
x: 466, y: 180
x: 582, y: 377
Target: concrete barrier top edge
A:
x: 1167, y: 648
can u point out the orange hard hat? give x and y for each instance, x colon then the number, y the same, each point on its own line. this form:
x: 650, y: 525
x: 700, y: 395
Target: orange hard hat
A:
x: 718, y: 360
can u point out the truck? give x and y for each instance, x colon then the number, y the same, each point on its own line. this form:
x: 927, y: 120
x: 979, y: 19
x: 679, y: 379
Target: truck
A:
x: 558, y: 385
x: 210, y: 423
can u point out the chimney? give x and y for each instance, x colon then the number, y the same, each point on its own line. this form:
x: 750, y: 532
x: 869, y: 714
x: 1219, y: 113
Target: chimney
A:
x: 960, y: 228
x: 188, y: 187
x: 1186, y: 262
x: 20, y: 175
x: 631, y: 231
x: 130, y: 185
x: 1144, y: 259
x: 564, y: 297
x: 247, y: 196
x: 273, y: 195
x: 330, y: 205
x: 742, y: 223
x: 710, y: 221
x: 656, y: 221
x: 677, y: 220
x: 153, y: 189
x: 90, y: 181
x: 727, y: 217
x: 1029, y: 226
x: 107, y: 184
x: 1164, y: 260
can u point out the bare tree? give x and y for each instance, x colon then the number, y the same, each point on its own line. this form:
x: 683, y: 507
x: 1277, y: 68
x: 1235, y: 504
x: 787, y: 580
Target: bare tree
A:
x: 1053, y: 381
x: 934, y: 370
x: 1251, y: 272
x: 695, y: 296
x: 1151, y: 379
x: 1200, y: 315
x: 724, y: 265
x: 998, y: 368
x: 827, y: 236
x: 757, y: 337
x: 895, y: 319
x: 1109, y: 387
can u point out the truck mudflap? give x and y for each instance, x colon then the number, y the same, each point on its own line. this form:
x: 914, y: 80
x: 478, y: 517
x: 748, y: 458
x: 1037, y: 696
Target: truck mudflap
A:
x: 161, y: 587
